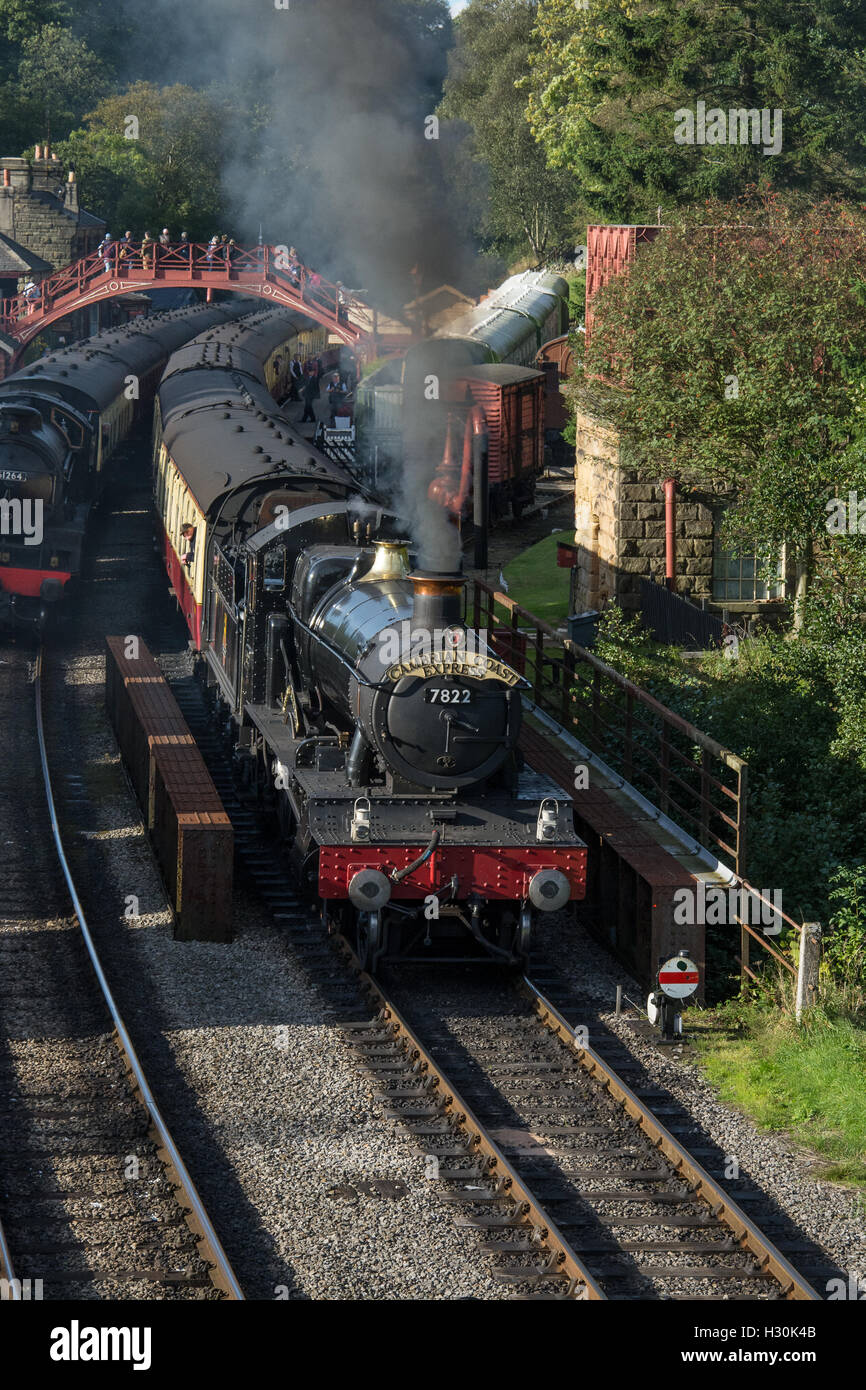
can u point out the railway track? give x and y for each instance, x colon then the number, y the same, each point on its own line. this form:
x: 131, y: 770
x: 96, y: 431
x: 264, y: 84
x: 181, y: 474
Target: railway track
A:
x: 575, y: 1186
x: 621, y: 1196
x: 95, y: 1199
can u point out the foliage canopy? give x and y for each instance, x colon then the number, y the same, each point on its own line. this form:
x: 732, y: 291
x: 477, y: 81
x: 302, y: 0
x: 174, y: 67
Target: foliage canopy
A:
x: 607, y: 78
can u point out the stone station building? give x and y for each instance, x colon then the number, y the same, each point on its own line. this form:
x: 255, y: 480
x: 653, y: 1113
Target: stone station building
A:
x: 620, y: 518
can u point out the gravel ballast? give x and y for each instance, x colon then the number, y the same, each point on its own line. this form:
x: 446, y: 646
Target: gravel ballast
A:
x: 795, y: 1198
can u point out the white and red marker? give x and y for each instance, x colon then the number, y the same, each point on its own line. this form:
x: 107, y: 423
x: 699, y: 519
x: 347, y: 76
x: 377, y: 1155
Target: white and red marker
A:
x: 678, y: 977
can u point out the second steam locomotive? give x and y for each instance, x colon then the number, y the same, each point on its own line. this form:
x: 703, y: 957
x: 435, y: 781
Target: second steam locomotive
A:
x: 62, y: 420
x: 359, y: 703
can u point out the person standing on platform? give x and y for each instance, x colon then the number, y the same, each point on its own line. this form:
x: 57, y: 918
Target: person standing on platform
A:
x: 296, y: 376
x: 349, y: 371
x: 311, y: 392
x: 336, y: 396
x: 124, y: 252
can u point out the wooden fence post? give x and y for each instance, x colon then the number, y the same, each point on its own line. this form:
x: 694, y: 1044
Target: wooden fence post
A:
x: 567, y: 684
x: 742, y: 795
x: 744, y: 957
x: 596, y: 707
x: 807, y: 974
x: 706, y: 797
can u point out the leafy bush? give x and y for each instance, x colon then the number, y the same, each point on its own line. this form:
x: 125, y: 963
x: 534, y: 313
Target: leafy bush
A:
x: 778, y: 706
x: 845, y: 943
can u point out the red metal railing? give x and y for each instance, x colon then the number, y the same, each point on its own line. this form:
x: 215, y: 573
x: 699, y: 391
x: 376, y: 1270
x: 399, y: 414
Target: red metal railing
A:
x: 192, y: 263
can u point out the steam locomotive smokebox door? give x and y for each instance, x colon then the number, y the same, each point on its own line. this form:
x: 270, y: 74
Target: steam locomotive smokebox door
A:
x: 440, y: 725
x: 444, y: 728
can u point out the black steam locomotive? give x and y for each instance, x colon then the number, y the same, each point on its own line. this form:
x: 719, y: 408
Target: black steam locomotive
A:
x: 360, y: 704
x: 61, y: 420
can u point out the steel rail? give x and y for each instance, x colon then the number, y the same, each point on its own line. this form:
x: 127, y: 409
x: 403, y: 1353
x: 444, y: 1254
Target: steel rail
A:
x: 723, y: 1207
x: 565, y: 1262
x: 7, y: 1269
x: 207, y: 1240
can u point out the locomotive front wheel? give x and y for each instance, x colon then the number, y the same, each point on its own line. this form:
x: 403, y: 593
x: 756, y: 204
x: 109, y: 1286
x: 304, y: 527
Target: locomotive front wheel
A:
x: 523, y: 937
x: 369, y: 939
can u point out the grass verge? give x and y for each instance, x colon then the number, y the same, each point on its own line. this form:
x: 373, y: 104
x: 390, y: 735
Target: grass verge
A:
x: 536, y: 582
x: 807, y: 1080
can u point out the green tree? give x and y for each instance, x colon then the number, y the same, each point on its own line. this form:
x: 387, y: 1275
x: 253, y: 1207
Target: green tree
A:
x: 150, y: 157
x: 608, y: 78
x: 526, y: 204
x: 729, y: 342
x: 21, y: 19
x: 59, y: 77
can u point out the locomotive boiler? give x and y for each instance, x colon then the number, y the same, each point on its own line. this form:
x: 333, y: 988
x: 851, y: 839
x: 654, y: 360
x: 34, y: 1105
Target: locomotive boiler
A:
x: 361, y: 706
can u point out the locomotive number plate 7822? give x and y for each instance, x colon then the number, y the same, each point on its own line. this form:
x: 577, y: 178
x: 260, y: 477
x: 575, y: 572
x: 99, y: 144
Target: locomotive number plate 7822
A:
x: 447, y: 695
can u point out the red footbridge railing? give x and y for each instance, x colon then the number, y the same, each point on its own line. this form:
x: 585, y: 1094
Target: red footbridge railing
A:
x: 263, y: 272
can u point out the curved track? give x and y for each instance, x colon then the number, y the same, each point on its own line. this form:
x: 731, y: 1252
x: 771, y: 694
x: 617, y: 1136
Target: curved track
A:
x: 95, y: 1199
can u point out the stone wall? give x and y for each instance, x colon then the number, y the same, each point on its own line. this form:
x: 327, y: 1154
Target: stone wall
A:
x: 620, y: 528
x: 39, y: 208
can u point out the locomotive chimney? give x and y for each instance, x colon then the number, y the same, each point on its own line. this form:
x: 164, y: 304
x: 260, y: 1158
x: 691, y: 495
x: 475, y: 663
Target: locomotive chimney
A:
x: 438, y: 599
x: 391, y: 561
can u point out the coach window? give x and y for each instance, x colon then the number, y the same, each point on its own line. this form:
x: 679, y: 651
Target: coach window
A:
x: 275, y: 569
x: 173, y: 514
x: 188, y: 547
x: 171, y: 501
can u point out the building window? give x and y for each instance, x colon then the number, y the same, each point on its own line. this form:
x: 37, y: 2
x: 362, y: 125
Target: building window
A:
x: 739, y: 576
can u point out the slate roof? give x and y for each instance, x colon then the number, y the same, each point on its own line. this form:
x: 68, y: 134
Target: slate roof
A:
x: 16, y: 260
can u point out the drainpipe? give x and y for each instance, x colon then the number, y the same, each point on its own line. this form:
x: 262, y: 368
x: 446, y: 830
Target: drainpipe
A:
x: 670, y: 534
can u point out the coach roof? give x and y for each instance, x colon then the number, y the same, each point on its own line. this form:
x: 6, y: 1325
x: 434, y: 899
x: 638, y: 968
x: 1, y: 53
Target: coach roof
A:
x: 220, y: 424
